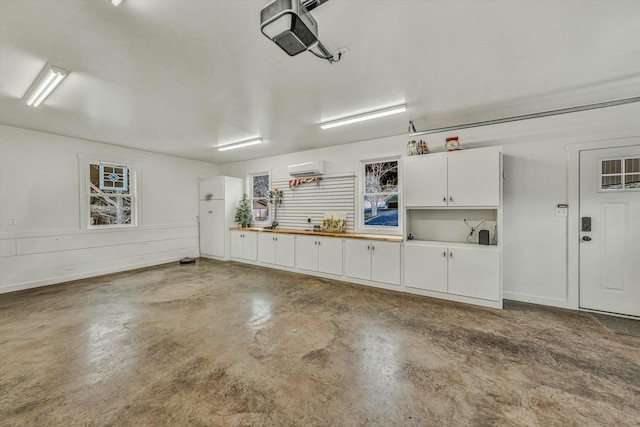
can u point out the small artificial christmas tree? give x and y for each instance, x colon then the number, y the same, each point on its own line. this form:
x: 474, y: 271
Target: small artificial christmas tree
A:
x: 244, y: 215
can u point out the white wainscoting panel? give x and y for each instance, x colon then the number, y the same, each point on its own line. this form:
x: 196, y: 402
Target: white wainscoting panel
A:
x: 39, y: 261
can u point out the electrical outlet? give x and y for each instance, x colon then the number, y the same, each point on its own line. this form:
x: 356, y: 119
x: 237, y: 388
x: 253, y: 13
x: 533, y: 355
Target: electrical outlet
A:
x: 12, y: 221
x: 309, y: 219
x: 561, y: 211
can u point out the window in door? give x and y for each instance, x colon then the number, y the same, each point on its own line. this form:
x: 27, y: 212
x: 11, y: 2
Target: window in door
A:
x: 620, y: 174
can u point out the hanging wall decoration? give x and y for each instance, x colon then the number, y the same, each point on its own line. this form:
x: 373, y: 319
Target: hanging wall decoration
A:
x: 295, y: 182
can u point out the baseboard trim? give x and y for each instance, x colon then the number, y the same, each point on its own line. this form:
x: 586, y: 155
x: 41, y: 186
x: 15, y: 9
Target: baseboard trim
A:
x: 533, y: 299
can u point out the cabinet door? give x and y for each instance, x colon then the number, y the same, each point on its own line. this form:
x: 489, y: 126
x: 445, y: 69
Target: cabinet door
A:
x: 250, y: 246
x: 357, y: 261
x: 474, y: 178
x: 330, y: 255
x: 385, y: 262
x: 474, y: 273
x: 237, y: 247
x: 205, y: 216
x: 425, y: 267
x: 306, y: 251
x: 267, y: 248
x: 425, y: 181
x: 213, y: 186
x: 285, y: 250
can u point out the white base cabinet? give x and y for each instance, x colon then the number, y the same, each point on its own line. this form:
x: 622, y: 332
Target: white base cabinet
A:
x: 377, y: 261
x: 244, y: 245
x: 457, y: 269
x: 276, y: 249
x: 321, y: 254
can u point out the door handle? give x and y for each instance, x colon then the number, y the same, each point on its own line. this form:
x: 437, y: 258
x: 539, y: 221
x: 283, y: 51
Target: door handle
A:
x: 586, y: 238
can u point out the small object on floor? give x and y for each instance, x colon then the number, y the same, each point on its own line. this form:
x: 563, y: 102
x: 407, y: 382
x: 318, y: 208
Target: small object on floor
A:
x: 188, y: 260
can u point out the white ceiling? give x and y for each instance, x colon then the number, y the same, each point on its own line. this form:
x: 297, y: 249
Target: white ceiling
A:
x: 180, y: 77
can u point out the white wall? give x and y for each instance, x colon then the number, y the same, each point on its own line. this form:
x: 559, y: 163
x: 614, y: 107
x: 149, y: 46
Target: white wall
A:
x: 39, y: 187
x: 536, y: 170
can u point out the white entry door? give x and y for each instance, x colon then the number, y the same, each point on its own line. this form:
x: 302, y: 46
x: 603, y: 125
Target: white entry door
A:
x: 610, y: 230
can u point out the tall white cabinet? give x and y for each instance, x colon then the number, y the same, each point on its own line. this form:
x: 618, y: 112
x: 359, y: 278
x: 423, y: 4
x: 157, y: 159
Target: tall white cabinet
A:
x: 446, y: 194
x: 219, y: 196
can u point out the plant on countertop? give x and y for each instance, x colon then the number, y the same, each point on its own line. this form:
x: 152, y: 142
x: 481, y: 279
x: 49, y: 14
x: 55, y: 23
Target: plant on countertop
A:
x: 244, y: 216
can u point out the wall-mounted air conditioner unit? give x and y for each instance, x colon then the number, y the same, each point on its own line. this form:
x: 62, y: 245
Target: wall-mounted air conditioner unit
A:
x: 307, y: 169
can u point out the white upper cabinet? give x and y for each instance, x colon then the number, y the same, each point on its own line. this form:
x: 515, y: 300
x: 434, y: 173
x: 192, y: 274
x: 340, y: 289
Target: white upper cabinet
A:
x: 456, y: 179
x: 474, y: 178
x: 212, y: 186
x: 425, y: 181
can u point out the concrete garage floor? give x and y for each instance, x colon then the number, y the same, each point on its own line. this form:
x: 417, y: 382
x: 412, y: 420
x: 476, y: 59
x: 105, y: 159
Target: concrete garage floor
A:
x: 235, y: 345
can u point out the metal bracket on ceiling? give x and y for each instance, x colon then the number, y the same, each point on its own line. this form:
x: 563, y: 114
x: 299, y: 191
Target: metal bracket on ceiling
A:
x: 312, y: 4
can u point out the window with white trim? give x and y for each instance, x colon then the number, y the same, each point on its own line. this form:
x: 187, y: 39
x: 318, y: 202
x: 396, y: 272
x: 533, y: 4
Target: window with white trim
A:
x: 259, y: 196
x: 620, y: 174
x: 108, y: 192
x: 379, y: 202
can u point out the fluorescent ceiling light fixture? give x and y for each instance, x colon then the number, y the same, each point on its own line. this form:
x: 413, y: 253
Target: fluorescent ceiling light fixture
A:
x: 240, y: 144
x: 366, y: 116
x: 116, y: 2
x: 44, y: 85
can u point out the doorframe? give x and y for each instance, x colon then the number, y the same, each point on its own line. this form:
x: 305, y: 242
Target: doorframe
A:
x: 573, y: 233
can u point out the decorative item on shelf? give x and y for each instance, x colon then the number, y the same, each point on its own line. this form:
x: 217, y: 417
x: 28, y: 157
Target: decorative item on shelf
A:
x: 335, y: 222
x: 452, y: 143
x: 415, y: 148
x: 244, y: 216
x: 423, y: 147
x: 412, y: 148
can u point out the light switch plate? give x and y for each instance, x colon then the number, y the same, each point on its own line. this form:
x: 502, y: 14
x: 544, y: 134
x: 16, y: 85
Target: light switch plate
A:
x: 561, y: 211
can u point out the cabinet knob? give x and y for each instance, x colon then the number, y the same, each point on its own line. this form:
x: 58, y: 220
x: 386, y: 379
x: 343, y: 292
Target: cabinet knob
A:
x: 444, y: 254
x: 318, y: 242
x: 373, y: 248
x: 276, y: 239
x: 450, y: 254
x: 444, y: 199
x: 368, y: 247
x: 450, y: 198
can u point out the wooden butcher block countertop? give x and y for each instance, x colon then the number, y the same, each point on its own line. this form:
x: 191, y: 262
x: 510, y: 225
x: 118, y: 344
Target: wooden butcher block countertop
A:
x: 324, y: 233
